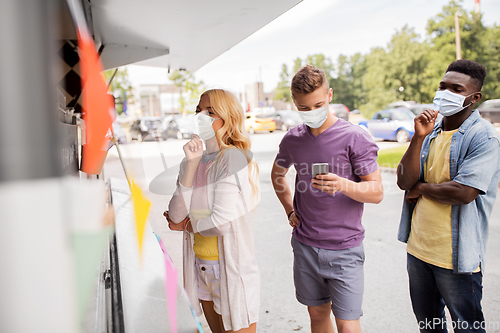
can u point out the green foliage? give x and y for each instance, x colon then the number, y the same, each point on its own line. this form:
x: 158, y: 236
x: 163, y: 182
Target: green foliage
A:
x: 375, y: 83
x: 491, y: 88
x: 120, y: 87
x: 190, y: 89
x: 409, y: 68
x: 297, y: 65
x: 397, y: 73
x: 282, y: 92
x: 441, y: 36
x: 347, y: 84
x: 321, y: 62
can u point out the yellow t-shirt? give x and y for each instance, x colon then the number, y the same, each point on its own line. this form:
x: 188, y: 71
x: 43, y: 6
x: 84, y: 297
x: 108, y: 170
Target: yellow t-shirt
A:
x: 205, y: 248
x: 430, y: 235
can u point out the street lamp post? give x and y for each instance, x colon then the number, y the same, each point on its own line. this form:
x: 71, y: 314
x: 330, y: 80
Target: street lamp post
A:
x: 457, y: 35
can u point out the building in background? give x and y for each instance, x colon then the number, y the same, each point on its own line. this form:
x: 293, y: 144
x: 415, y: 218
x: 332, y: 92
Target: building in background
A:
x: 254, y: 96
x: 158, y: 99
x: 163, y: 99
x: 255, y: 99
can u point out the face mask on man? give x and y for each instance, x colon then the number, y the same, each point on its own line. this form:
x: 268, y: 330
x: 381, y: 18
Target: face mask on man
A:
x: 203, y: 126
x: 449, y: 103
x: 315, y: 118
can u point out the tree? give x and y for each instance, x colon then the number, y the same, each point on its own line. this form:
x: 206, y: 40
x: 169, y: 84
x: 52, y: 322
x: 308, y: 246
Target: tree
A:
x: 410, y: 69
x: 317, y: 60
x: 179, y: 78
x: 323, y: 63
x: 120, y: 87
x: 297, y: 64
x: 347, y: 83
x: 441, y: 36
x: 491, y: 88
x: 374, y: 81
x: 358, y: 66
x: 282, y: 91
x: 397, y: 73
x: 190, y: 89
x: 408, y: 59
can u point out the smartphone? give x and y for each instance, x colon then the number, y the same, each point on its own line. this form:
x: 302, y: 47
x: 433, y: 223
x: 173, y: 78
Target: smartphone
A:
x: 319, y: 169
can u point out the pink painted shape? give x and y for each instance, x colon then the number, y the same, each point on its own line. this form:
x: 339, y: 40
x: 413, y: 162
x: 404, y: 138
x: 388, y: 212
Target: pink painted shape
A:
x: 171, y: 288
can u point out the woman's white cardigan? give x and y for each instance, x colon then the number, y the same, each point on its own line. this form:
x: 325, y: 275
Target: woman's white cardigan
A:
x: 230, y: 201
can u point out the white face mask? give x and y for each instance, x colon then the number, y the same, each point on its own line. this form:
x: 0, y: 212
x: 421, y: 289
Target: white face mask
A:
x: 203, y: 126
x: 449, y: 103
x: 315, y: 118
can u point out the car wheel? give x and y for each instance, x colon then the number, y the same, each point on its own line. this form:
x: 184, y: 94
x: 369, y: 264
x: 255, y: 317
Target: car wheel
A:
x: 179, y: 135
x: 402, y: 136
x: 284, y: 128
x: 271, y: 131
x: 251, y: 130
x: 139, y: 137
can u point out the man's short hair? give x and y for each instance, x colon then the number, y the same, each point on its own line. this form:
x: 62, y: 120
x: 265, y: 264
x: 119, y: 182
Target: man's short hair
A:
x: 308, y: 79
x: 476, y: 71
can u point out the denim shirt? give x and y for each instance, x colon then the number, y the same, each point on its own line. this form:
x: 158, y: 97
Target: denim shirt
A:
x: 474, y: 162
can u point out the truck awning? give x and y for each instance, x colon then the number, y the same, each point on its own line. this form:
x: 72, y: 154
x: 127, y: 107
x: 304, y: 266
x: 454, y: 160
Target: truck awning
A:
x: 173, y: 33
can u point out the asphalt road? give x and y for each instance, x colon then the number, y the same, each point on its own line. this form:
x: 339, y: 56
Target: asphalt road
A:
x: 386, y: 302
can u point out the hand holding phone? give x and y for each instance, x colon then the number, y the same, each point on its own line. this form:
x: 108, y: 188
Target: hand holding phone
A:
x: 319, y: 169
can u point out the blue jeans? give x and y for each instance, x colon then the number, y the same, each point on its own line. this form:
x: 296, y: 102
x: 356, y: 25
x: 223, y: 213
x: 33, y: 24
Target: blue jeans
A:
x: 432, y: 287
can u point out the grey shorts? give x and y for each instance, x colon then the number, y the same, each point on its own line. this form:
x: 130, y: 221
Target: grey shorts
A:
x: 322, y: 276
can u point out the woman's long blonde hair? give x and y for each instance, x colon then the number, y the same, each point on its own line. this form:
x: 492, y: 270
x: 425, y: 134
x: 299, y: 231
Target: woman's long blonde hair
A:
x: 232, y: 133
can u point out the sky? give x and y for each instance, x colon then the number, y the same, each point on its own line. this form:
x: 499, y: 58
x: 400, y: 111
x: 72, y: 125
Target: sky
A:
x: 330, y: 27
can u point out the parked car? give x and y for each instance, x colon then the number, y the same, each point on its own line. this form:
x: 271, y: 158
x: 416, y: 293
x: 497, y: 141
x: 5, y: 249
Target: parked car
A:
x: 419, y: 108
x: 490, y: 110
x: 119, y: 133
x: 179, y: 127
x: 286, y: 119
x: 391, y: 124
x: 259, y: 122
x: 147, y: 128
x: 340, y: 111
x: 398, y: 104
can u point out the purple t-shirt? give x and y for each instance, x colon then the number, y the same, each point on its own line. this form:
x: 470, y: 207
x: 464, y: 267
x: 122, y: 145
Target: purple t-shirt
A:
x: 328, y: 221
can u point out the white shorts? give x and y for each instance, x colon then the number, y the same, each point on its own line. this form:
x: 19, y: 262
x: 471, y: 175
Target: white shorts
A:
x: 207, y: 272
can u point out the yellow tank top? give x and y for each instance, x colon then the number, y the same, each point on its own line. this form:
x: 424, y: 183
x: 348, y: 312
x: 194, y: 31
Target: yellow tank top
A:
x: 205, y: 248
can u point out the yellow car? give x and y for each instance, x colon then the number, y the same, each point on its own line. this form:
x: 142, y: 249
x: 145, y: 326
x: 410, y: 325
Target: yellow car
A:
x: 259, y: 122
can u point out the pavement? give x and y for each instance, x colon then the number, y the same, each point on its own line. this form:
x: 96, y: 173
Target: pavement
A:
x: 386, y: 304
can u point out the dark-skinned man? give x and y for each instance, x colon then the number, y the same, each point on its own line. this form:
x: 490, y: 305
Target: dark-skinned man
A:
x: 450, y: 173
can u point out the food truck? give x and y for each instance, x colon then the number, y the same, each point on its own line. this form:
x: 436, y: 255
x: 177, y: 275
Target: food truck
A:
x: 68, y: 260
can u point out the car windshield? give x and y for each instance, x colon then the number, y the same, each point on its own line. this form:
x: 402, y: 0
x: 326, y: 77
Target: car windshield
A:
x: 152, y: 124
x: 186, y: 121
x: 490, y: 105
x: 262, y: 116
x: 290, y: 114
x: 417, y: 109
x: 402, y: 115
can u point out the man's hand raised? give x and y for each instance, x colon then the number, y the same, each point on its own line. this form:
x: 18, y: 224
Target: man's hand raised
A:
x: 424, y: 122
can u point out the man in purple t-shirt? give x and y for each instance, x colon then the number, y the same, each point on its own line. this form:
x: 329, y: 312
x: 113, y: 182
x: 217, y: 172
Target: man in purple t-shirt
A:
x: 326, y: 210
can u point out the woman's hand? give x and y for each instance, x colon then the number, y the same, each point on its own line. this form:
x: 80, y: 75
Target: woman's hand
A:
x: 193, y: 150
x: 177, y: 226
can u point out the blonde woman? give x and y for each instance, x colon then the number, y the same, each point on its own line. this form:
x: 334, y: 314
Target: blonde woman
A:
x: 216, y: 191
